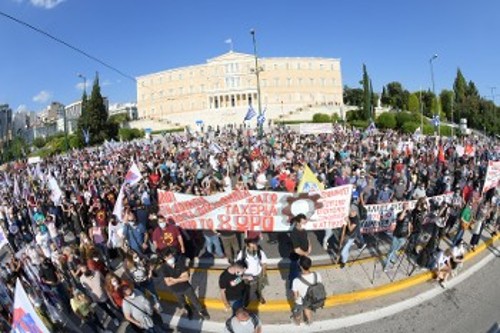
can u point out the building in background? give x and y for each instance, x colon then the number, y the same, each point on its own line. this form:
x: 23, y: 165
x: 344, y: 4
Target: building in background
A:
x: 22, y: 124
x: 129, y: 109
x: 221, y: 90
x: 5, y: 125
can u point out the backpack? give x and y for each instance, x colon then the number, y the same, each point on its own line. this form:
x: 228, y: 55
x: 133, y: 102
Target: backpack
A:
x: 244, y: 253
x: 316, y: 295
x: 229, y: 323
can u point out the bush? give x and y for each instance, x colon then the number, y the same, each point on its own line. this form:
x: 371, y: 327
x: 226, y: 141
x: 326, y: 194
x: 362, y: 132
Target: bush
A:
x: 386, y: 120
x: 75, y: 141
x: 359, y: 123
x: 295, y: 122
x: 410, y: 127
x: 129, y: 134
x: 321, y: 118
x: 335, y: 118
x: 406, y: 117
x: 39, y: 143
x: 354, y: 115
x: 171, y: 130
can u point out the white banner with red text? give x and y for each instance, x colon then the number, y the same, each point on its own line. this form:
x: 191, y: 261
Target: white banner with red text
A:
x: 492, y: 176
x: 257, y: 210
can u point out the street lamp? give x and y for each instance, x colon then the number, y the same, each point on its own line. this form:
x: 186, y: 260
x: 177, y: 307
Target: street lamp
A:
x: 81, y: 76
x: 434, y: 57
x: 257, y: 71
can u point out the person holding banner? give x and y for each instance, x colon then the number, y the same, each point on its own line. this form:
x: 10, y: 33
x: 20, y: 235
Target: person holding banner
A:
x: 351, y: 230
x: 400, y: 235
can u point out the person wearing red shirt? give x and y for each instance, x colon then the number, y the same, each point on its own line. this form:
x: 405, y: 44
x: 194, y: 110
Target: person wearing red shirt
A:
x: 113, y: 285
x: 167, y: 235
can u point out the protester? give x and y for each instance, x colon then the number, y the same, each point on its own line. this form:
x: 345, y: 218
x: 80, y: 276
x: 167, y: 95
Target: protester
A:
x: 400, y: 235
x: 82, y: 307
x: 256, y: 260
x: 137, y: 309
x: 301, y: 247
x: 243, y: 322
x: 302, y: 307
x: 351, y: 231
x: 168, y: 234
x: 140, y: 272
x: 233, y: 289
x: 176, y: 276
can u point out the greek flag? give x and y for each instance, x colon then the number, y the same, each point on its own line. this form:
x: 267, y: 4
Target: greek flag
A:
x: 371, y: 127
x: 86, y: 136
x: 261, y: 119
x: 250, y: 113
x: 436, y: 121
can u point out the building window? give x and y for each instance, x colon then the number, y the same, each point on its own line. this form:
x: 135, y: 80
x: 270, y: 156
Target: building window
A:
x: 321, y: 66
x: 202, y: 88
x: 181, y: 90
x: 161, y: 93
x: 275, y: 66
x: 299, y: 81
x: 310, y: 65
x: 311, y: 81
x: 334, y: 82
x: 276, y: 82
x: 298, y: 65
x: 264, y: 83
x: 170, y: 91
x: 160, y: 80
x: 143, y: 97
x: 323, y: 80
x: 170, y: 77
x: 288, y: 82
x: 202, y: 72
x: 152, y: 96
x: 287, y: 66
x: 191, y: 89
x: 233, y: 101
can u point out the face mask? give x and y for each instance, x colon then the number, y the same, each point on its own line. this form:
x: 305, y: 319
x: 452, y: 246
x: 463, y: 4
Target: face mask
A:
x: 239, y: 273
x: 252, y: 252
x: 115, y: 283
x: 88, y: 273
x: 94, y: 224
x: 96, y: 259
x: 162, y: 225
x: 131, y: 296
x: 171, y: 261
x: 137, y: 259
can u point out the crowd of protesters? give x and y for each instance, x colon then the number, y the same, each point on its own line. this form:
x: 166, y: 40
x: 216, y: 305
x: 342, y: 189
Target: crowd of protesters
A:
x: 71, y: 246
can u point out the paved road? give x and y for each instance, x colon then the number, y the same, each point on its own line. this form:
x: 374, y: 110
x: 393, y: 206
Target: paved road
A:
x: 473, y: 306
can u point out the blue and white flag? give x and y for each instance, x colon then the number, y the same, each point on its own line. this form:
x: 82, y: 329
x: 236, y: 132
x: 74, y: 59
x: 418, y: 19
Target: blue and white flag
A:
x: 261, y: 119
x: 250, y: 113
x: 86, y: 136
x: 371, y: 127
x: 435, y: 121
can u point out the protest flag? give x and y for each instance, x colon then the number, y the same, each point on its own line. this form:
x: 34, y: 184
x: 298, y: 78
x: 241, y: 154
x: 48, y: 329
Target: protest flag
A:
x: 250, y: 113
x: 309, y: 182
x: 25, y: 318
x: 132, y: 177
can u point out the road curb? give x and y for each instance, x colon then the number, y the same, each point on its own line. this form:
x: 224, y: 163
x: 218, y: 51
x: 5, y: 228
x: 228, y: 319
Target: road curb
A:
x: 338, y: 299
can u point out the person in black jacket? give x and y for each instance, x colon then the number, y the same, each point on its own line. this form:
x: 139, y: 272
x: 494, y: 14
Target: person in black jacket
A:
x: 401, y: 233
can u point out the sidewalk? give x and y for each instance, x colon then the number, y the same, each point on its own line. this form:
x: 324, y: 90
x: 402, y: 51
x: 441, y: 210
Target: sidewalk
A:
x: 358, y: 281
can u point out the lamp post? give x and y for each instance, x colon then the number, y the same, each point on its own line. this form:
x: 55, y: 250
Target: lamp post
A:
x: 257, y: 71
x: 434, y: 57
x: 81, y: 76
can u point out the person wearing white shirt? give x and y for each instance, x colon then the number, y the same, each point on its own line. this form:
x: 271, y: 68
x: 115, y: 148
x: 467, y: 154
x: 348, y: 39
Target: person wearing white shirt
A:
x: 256, y: 261
x: 299, y: 289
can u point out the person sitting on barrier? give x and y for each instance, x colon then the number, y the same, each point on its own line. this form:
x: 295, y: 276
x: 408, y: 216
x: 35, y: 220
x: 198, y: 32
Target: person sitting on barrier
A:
x: 243, y: 322
x: 256, y: 260
x: 401, y: 233
x: 351, y: 230
x: 457, y: 258
x: 233, y: 289
x: 443, y: 267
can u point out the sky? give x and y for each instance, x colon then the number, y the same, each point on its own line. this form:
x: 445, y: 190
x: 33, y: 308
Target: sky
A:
x: 395, y: 39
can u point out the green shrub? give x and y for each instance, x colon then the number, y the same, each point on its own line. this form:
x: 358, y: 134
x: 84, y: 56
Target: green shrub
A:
x: 129, y: 134
x: 335, y: 118
x: 386, y: 120
x: 406, y: 117
x: 359, y: 123
x: 410, y: 127
x: 321, y: 118
x: 295, y: 122
x: 171, y: 130
x: 39, y: 142
x: 354, y: 115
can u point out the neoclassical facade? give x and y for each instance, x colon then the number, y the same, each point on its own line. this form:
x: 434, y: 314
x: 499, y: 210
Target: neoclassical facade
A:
x: 227, y: 85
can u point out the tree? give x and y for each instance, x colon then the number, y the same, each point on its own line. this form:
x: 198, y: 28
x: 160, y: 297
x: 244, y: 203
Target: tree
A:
x: 94, y: 118
x: 366, y: 95
x: 446, y: 98
x: 353, y: 96
x: 386, y: 120
x: 398, y: 97
x: 385, y: 99
x: 413, y: 103
x: 459, y: 88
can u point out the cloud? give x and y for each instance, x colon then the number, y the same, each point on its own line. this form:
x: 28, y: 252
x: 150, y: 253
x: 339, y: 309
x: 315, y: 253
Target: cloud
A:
x: 22, y: 108
x: 46, y: 4
x: 42, y: 97
x: 105, y: 83
x: 79, y: 85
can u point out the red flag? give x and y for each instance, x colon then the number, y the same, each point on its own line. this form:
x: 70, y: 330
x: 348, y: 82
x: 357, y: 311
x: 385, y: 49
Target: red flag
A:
x: 441, y: 155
